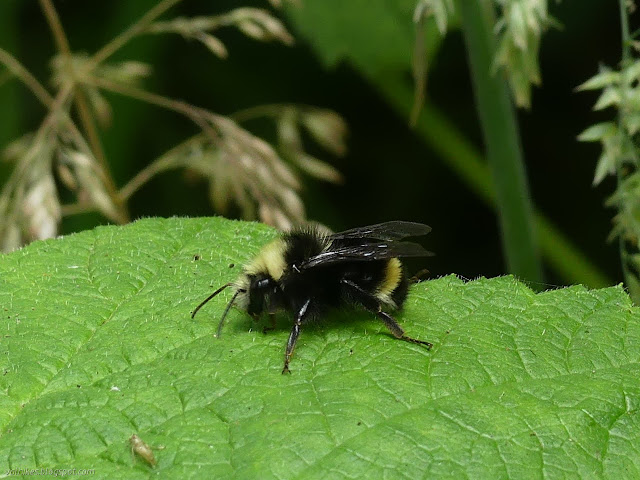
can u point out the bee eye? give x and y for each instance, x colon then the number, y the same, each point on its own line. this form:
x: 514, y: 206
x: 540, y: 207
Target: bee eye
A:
x: 263, y: 283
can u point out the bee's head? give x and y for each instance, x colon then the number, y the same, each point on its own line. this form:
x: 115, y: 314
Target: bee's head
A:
x: 254, y: 293
x: 259, y: 291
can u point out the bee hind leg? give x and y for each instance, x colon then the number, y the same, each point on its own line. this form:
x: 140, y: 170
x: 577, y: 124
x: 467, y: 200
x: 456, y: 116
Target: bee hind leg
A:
x: 371, y: 303
x: 398, y: 331
x: 419, y: 276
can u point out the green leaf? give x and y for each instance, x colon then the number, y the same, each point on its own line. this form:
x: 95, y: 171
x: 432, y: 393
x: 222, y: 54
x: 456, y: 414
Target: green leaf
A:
x: 98, y: 344
x: 610, y: 96
x: 337, y: 32
x: 632, y: 72
x: 632, y: 122
x: 605, y: 78
x: 598, y: 132
x: 376, y: 35
x: 606, y: 165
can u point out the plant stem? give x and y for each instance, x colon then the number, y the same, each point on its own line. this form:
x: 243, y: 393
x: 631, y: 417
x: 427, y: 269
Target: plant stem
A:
x: 419, y: 62
x: 56, y: 27
x: 562, y: 256
x: 138, y: 27
x: 45, y: 128
x: 630, y: 278
x: 201, y: 117
x: 435, y: 129
x: 160, y: 164
x: 55, y: 105
x: 99, y: 57
x: 267, y: 110
x: 76, y: 209
x: 205, y: 119
x: 626, y: 38
x: 499, y: 126
x: 83, y: 109
x: 22, y: 74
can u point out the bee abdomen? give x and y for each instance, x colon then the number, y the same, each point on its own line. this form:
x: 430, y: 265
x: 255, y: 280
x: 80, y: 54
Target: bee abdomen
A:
x: 393, y: 287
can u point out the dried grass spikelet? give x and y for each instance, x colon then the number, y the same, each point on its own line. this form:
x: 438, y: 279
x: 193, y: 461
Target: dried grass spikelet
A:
x: 518, y: 31
x: 29, y: 204
x: 41, y: 208
x: 324, y: 126
x: 279, y: 3
x: 255, y: 173
x: 262, y: 174
x: 221, y: 182
x: 75, y: 72
x: 35, y: 195
x: 256, y: 23
x: 242, y: 169
x: 260, y: 25
x: 318, y: 168
x: 213, y: 43
x: 18, y: 148
x: 440, y: 10
x: 11, y: 237
x: 327, y: 128
x: 81, y: 174
x: 128, y: 72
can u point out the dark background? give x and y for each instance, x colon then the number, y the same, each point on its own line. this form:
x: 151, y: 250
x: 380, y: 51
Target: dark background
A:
x: 382, y: 149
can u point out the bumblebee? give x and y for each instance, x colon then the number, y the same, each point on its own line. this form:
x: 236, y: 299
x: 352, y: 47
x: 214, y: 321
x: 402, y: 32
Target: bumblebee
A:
x: 306, y: 272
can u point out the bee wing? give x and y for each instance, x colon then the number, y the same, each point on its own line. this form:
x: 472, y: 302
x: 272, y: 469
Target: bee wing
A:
x: 365, y: 252
x: 385, y: 231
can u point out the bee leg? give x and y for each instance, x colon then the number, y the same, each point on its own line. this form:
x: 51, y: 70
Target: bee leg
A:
x: 417, y: 278
x: 293, y: 336
x: 397, y: 330
x: 272, y: 321
x: 371, y: 303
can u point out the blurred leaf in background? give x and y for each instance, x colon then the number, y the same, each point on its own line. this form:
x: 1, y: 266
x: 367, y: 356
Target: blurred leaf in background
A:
x: 377, y: 38
x: 165, y: 164
x: 620, y: 156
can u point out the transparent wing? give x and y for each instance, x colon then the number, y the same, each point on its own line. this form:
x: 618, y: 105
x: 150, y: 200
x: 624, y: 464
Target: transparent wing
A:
x: 365, y: 252
x: 395, y: 230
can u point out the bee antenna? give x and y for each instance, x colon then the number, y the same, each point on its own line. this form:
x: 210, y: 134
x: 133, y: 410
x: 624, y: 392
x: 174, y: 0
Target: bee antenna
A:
x: 193, y: 314
x: 226, y: 310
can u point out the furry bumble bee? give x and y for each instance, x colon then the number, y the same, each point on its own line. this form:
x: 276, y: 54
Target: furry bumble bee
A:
x: 306, y: 273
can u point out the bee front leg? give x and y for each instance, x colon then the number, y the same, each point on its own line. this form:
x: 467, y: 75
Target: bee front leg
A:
x: 272, y: 323
x: 293, y: 336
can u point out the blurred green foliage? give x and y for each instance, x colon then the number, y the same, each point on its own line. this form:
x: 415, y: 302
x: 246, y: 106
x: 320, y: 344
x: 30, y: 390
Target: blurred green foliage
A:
x: 354, y: 58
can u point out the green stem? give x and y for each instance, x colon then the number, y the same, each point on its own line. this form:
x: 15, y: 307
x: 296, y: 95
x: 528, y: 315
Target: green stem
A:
x: 138, y: 27
x: 626, y: 38
x: 499, y: 126
x: 461, y: 156
x: 629, y: 277
x: 22, y: 74
x: 160, y: 164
